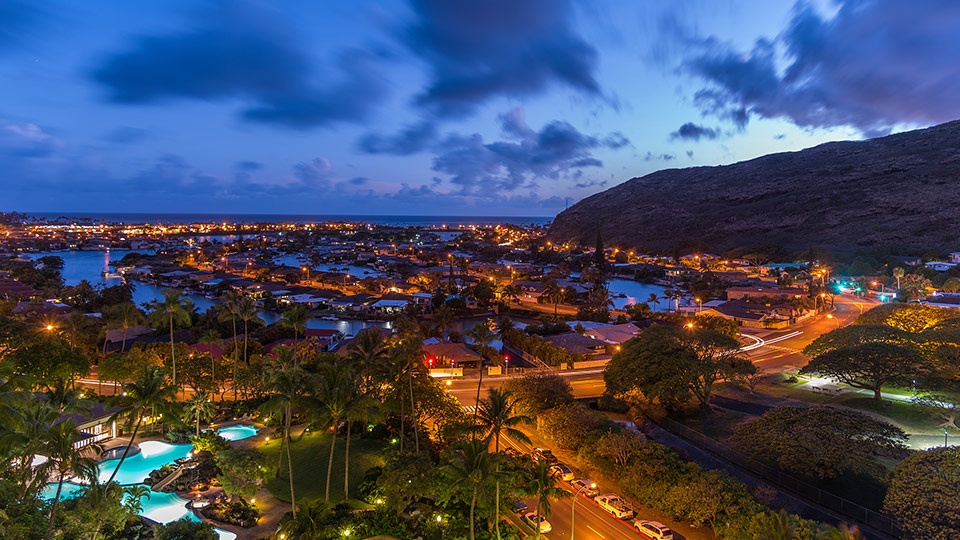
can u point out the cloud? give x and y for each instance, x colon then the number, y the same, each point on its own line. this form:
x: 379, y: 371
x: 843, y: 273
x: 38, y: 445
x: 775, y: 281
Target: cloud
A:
x: 410, y: 140
x: 26, y: 140
x: 249, y: 166
x: 555, y: 151
x: 126, y: 135
x: 694, y: 132
x: 244, y: 51
x: 872, y: 65
x: 650, y: 156
x: 478, y: 50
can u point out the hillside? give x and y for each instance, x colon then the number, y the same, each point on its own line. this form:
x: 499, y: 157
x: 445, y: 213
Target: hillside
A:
x: 900, y: 191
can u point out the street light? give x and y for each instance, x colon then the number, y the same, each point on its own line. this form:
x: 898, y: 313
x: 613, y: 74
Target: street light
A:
x: 699, y: 305
x: 573, y: 506
x: 830, y: 316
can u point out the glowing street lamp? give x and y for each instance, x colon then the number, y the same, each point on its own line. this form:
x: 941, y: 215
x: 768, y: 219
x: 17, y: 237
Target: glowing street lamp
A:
x: 699, y: 304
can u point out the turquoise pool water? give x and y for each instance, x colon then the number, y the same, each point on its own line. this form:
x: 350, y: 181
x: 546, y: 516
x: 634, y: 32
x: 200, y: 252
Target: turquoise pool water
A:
x: 160, y: 507
x: 237, y: 432
x: 153, y: 455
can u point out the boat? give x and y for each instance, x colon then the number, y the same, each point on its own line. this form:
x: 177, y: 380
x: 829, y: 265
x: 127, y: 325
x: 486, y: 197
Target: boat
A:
x: 329, y: 318
x: 111, y: 275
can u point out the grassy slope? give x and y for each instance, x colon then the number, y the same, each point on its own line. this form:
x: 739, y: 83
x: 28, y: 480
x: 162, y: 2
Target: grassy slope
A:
x: 310, y: 455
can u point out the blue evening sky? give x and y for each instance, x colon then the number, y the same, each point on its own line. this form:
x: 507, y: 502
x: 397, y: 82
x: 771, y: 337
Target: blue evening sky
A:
x: 440, y: 107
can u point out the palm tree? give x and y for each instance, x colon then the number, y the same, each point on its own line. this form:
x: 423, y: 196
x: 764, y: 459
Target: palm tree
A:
x: 295, y: 318
x: 496, y: 416
x: 134, y: 498
x: 247, y: 311
x: 443, y: 319
x: 312, y: 522
x: 844, y: 532
x: 368, y: 351
x: 542, y: 485
x: 149, y: 393
x: 669, y: 294
x: 199, y: 406
x: 471, y: 468
x: 553, y: 292
x: 898, y: 273
x: 481, y: 336
x: 334, y: 389
x: 102, y: 497
x: 228, y: 312
x: 67, y: 400
x: 26, y: 436
x: 126, y: 315
x: 65, y: 460
x: 654, y: 300
x: 176, y: 310
x: 283, y: 383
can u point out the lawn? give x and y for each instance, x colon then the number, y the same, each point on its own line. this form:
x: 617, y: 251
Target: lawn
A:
x: 310, y: 455
x: 911, y: 417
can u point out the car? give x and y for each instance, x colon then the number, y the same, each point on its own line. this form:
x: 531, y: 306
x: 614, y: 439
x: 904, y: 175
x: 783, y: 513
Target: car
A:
x: 530, y: 518
x: 545, y: 455
x: 561, y: 471
x: 584, y: 487
x: 519, y: 507
x: 612, y: 503
x: 654, y: 530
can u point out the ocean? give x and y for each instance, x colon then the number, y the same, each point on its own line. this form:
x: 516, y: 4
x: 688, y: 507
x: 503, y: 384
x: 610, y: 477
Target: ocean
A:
x: 406, y: 221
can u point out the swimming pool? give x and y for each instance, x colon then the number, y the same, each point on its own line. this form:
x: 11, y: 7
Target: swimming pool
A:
x: 153, y: 455
x: 237, y: 432
x: 69, y: 491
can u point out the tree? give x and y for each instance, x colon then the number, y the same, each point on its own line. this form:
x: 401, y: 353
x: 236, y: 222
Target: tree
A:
x: 242, y: 472
x: 124, y: 316
x: 553, y: 293
x: 540, y: 483
x: 922, y: 494
x: 247, y: 311
x: 859, y: 334
x: 65, y: 460
x: 537, y: 392
x: 186, y: 529
x: 653, y: 301
x: 228, y: 312
x: 295, y: 318
x: 820, y: 442
x: 315, y: 520
x: 443, y: 320
x: 174, y: 309
x: 335, y: 391
x: 470, y: 469
x: 149, y: 393
x: 898, y: 273
x: 871, y: 366
x: 495, y: 415
x: 283, y: 383
x: 481, y: 336
x: 668, y: 365
x: 199, y: 407
x: 907, y: 317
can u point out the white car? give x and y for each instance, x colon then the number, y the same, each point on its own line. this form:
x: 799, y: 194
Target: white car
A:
x: 654, y: 530
x: 583, y: 487
x: 612, y: 503
x: 530, y: 518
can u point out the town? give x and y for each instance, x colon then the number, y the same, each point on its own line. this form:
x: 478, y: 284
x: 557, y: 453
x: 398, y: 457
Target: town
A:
x: 282, y: 380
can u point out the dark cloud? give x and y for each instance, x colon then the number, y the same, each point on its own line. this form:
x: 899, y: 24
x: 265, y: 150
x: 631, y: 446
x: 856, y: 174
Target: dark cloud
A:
x: 412, y: 139
x: 477, y: 50
x: 690, y: 154
x: 779, y: 136
x: 650, y: 156
x: 249, y: 166
x: 616, y: 140
x: 876, y: 63
x: 126, y: 135
x: 694, y: 132
x: 245, y: 51
x: 555, y: 151
x: 23, y: 139
x: 17, y: 18
x: 590, y: 184
x: 358, y: 181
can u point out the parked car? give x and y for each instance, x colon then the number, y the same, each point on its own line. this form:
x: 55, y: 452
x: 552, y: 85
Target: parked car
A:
x: 611, y: 502
x: 531, y: 519
x: 519, y: 507
x: 583, y: 487
x: 654, y: 530
x: 544, y: 454
x: 561, y: 471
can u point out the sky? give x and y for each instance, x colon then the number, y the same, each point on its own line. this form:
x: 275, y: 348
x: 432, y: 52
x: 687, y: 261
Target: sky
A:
x: 440, y: 107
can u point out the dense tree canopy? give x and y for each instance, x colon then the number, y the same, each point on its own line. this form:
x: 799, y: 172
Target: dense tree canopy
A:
x: 669, y: 365
x: 871, y: 366
x: 922, y: 496
x: 820, y: 442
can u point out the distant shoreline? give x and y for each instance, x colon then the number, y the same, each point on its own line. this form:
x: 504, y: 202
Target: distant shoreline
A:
x: 159, y: 217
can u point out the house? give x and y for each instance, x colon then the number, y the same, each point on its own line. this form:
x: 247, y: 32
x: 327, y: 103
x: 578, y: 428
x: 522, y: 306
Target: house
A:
x: 450, y: 355
x: 751, y: 315
x: 14, y: 290
x: 574, y: 343
x: 93, y: 425
x: 740, y: 293
x: 942, y: 300
x: 940, y: 266
x: 386, y: 305
x: 614, y: 334
x: 955, y: 257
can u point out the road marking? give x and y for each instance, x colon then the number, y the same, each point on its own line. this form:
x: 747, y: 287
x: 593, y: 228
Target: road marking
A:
x: 596, y: 532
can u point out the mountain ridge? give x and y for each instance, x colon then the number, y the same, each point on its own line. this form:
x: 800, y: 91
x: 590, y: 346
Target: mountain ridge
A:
x: 900, y: 191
